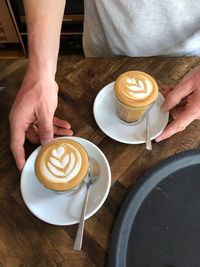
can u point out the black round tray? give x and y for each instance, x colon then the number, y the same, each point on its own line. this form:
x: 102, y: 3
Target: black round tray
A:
x: 159, y: 222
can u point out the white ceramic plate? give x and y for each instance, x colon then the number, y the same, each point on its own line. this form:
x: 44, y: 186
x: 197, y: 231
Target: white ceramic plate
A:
x: 108, y: 121
x: 65, y: 208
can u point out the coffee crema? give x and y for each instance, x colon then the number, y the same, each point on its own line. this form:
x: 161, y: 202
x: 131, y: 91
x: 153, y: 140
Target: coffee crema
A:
x: 61, y: 164
x: 136, y: 89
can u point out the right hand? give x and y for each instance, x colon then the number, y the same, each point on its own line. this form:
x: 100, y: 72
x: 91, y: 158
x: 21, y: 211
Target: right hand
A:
x: 183, y: 101
x: 32, y: 115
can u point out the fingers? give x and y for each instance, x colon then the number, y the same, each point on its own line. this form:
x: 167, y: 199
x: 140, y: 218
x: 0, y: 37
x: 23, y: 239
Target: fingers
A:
x: 166, y: 89
x: 175, y: 112
x: 17, y: 146
x: 62, y: 131
x: 45, y: 129
x: 176, y: 95
x: 60, y: 128
x: 32, y: 135
x: 182, y: 121
x: 61, y: 123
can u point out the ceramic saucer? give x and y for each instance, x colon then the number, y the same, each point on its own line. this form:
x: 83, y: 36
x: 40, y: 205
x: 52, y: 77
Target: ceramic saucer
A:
x: 108, y: 121
x: 65, y: 208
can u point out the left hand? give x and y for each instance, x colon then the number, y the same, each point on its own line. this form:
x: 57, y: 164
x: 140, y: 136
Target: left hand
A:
x: 183, y: 102
x: 60, y: 128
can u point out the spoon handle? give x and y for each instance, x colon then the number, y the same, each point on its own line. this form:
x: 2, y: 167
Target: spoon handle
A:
x: 79, y: 235
x: 148, y: 132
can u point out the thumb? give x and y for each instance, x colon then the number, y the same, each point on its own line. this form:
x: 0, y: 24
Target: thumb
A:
x: 45, y: 130
x: 17, y: 145
x: 179, y: 124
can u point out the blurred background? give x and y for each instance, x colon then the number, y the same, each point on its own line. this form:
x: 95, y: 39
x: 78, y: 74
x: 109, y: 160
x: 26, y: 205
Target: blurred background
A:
x: 13, y: 30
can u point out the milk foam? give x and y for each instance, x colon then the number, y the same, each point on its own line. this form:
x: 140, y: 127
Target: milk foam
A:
x: 62, y: 164
x: 138, y: 88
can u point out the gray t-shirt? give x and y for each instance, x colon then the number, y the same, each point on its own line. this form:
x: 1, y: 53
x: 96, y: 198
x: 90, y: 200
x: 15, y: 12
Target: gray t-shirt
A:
x: 141, y: 27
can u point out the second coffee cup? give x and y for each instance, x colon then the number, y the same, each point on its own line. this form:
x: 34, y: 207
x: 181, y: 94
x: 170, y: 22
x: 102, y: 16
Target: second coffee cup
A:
x: 135, y: 92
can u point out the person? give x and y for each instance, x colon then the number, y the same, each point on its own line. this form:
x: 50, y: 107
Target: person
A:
x: 131, y: 28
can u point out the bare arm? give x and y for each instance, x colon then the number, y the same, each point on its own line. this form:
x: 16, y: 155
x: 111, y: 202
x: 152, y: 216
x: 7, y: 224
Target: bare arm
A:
x: 44, y: 19
x: 32, y: 114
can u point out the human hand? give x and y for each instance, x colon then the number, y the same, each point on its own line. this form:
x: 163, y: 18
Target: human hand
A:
x: 60, y: 128
x: 32, y: 115
x: 183, y: 102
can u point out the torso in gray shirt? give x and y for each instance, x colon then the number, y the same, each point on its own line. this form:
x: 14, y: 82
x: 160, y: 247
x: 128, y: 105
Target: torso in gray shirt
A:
x: 141, y: 27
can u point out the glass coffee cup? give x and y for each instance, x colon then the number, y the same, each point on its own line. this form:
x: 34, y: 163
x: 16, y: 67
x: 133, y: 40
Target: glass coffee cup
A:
x: 135, y: 92
x: 61, y: 165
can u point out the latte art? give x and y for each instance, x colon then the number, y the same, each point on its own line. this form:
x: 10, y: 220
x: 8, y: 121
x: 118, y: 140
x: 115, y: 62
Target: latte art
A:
x: 137, y: 88
x: 135, y: 92
x: 61, y: 164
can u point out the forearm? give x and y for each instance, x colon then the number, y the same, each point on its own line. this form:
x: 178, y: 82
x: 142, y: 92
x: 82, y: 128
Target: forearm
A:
x: 44, y: 19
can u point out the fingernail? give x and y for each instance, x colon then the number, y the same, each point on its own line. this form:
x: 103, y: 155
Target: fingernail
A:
x: 158, y: 139
x: 44, y: 142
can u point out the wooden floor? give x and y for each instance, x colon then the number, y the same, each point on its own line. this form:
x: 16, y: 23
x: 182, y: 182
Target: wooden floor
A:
x: 24, y: 239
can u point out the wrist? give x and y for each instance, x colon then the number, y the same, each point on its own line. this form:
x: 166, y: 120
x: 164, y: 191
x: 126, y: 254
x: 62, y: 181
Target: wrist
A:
x: 43, y: 78
x: 42, y: 67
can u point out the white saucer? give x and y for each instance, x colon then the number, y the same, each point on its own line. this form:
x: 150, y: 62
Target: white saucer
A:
x: 65, y: 208
x: 108, y: 121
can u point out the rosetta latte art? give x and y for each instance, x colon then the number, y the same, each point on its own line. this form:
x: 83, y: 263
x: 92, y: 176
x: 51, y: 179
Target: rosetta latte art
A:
x: 62, y: 164
x: 138, y: 88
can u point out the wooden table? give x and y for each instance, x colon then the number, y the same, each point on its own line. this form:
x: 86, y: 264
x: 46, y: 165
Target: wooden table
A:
x: 24, y: 239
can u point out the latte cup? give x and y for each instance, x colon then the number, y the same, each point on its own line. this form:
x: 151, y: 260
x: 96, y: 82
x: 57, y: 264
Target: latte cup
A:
x: 61, y: 165
x: 135, y: 92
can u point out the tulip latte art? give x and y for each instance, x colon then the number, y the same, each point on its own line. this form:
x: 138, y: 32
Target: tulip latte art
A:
x: 61, y: 164
x: 135, y: 92
x: 136, y: 88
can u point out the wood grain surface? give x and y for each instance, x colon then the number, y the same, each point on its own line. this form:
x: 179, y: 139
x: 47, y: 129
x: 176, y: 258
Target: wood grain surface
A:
x: 24, y: 239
